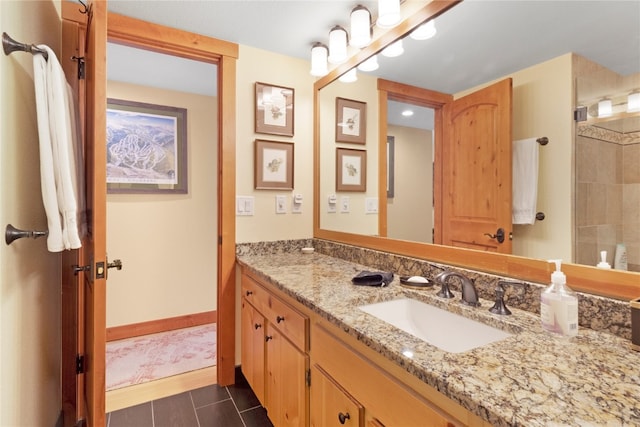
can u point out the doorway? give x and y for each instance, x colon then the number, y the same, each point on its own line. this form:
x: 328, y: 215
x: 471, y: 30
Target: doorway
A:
x: 163, y: 225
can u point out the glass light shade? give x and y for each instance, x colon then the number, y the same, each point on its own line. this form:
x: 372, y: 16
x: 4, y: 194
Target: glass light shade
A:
x: 349, y: 77
x: 360, y: 27
x: 370, y: 64
x: 393, y: 50
x: 424, y: 31
x: 319, y: 55
x: 388, y: 13
x: 605, y: 108
x: 633, y: 102
x: 337, y: 45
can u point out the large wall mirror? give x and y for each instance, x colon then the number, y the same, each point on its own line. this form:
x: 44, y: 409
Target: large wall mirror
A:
x: 589, y: 205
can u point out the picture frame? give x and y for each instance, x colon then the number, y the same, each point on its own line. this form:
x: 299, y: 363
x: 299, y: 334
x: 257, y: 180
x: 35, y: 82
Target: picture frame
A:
x: 351, y: 121
x: 274, y: 109
x: 351, y: 169
x: 146, y: 148
x: 273, y: 163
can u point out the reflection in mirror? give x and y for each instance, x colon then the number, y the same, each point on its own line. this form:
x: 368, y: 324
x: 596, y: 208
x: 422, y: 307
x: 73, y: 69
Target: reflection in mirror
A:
x: 543, y: 106
x: 410, y: 210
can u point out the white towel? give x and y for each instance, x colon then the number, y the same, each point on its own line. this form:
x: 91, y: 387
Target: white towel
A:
x: 525, y: 181
x: 58, y: 136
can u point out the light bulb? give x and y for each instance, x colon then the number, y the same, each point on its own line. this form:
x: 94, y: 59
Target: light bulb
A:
x: 388, y: 13
x: 337, y: 45
x: 349, y: 77
x: 393, y: 50
x: 633, y: 102
x: 605, y: 108
x: 360, y: 27
x: 319, y: 55
x: 424, y: 31
x: 370, y: 64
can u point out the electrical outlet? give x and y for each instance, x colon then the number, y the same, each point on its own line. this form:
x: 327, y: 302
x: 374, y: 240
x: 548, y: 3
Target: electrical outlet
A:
x: 371, y: 205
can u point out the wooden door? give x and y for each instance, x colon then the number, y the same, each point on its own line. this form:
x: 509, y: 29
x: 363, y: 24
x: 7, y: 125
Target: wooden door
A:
x: 331, y: 405
x: 83, y: 291
x: 93, y: 252
x: 476, y: 169
x: 252, y: 357
x: 286, y: 390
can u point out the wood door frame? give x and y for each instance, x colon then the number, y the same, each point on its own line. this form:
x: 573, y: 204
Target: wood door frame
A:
x: 136, y: 33
x: 394, y: 91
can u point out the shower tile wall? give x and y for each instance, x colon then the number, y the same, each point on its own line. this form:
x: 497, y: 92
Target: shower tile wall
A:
x: 607, y: 195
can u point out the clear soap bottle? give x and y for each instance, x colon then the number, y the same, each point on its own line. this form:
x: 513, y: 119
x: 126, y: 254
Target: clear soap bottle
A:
x: 559, y: 305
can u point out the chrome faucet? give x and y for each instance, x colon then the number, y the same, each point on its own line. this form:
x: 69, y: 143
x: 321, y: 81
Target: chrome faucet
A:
x: 469, y: 292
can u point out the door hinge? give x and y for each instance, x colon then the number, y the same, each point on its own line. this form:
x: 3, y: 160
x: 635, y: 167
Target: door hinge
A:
x: 80, y: 61
x: 307, y: 377
x: 80, y: 364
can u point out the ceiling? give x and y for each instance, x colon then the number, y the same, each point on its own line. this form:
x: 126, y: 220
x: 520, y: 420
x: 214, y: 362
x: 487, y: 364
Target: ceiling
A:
x: 477, y: 40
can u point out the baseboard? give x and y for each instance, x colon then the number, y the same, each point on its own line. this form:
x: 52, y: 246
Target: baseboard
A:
x: 161, y: 325
x: 140, y: 393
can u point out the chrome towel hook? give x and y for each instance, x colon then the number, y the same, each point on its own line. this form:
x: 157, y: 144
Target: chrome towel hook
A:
x: 11, y: 233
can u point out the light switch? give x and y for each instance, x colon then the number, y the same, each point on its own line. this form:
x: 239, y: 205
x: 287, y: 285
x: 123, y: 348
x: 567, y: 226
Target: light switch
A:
x: 296, y: 205
x: 331, y: 203
x: 344, y: 204
x: 244, y: 205
x: 371, y: 205
x: 281, y: 204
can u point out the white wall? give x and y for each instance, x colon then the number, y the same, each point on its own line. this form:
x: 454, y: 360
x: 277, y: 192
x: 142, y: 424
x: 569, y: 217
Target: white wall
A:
x: 29, y: 275
x: 255, y: 65
x: 167, y: 242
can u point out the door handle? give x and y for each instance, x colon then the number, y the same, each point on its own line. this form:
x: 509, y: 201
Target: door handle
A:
x: 117, y: 264
x: 499, y: 236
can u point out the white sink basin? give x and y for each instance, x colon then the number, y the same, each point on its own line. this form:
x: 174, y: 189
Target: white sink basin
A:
x: 443, y: 329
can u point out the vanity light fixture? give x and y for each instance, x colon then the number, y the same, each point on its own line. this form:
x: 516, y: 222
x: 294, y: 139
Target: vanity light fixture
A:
x: 349, y: 77
x: 605, y: 108
x: 337, y: 45
x: 360, y: 27
x: 319, y: 54
x: 388, y: 13
x: 370, y: 64
x: 424, y: 31
x: 393, y: 50
x: 633, y: 102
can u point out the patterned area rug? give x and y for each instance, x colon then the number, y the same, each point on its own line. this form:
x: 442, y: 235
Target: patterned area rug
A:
x: 150, y: 357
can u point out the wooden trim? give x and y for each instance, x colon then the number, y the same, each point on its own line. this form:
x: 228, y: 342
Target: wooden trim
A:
x: 145, y: 392
x: 160, y: 325
x: 134, y: 32
x: 382, y: 162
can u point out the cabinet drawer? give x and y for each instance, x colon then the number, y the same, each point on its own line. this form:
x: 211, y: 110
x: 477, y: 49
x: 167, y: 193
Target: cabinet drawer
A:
x: 290, y: 322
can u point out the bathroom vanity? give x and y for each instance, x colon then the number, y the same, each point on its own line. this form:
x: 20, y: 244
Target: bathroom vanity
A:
x: 314, y: 357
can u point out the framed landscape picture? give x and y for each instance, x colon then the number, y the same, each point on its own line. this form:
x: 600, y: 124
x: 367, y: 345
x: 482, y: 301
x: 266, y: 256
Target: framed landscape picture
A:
x: 146, y: 148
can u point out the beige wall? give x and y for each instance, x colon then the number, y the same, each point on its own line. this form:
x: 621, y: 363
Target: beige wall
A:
x: 356, y: 220
x: 410, y: 211
x: 29, y: 274
x: 255, y: 65
x: 168, y: 243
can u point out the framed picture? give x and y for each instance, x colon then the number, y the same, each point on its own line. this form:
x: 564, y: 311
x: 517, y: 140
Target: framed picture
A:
x: 351, y: 121
x: 274, y: 109
x: 146, y: 148
x: 273, y: 165
x: 351, y: 170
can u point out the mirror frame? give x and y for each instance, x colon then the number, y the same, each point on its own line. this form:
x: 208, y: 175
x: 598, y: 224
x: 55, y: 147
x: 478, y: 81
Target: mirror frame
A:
x: 609, y: 283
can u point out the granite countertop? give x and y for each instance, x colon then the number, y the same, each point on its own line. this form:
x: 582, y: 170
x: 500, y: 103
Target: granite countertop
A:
x: 527, y: 379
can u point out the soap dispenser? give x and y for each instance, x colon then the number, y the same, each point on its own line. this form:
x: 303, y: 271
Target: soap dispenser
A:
x: 603, y: 261
x: 559, y: 305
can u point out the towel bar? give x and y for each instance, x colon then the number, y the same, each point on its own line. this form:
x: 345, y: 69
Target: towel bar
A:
x: 11, y: 233
x: 543, y: 140
x: 9, y: 46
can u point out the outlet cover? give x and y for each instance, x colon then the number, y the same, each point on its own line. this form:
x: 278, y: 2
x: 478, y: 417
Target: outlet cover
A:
x: 281, y: 204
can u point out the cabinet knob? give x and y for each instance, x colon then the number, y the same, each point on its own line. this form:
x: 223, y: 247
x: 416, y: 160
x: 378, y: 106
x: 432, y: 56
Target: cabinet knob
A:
x: 249, y: 293
x: 267, y: 338
x: 280, y: 319
x: 257, y: 326
x: 343, y: 417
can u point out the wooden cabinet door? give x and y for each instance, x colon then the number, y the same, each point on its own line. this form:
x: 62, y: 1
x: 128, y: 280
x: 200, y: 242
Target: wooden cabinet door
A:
x: 252, y: 358
x: 331, y: 405
x: 286, y: 388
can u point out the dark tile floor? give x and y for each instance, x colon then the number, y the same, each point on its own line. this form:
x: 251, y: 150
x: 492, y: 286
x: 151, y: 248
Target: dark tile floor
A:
x: 209, y: 406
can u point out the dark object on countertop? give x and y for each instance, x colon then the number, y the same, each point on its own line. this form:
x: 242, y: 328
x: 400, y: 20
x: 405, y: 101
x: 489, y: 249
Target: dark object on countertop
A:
x: 635, y: 324
x: 415, y: 282
x: 372, y: 278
